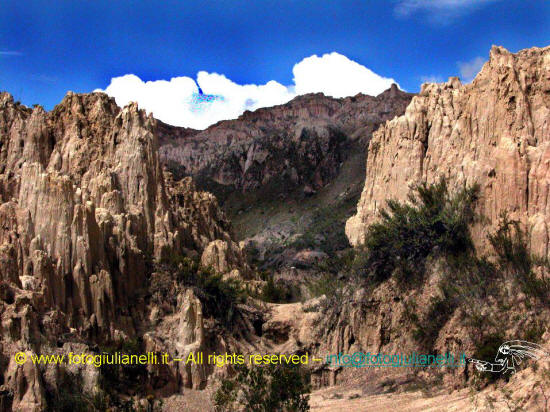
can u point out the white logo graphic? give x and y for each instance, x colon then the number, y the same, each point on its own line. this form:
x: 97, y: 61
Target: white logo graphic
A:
x: 509, y: 355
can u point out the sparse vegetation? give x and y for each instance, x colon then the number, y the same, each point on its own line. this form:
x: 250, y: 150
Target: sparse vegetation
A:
x: 487, y: 349
x: 326, y: 229
x: 252, y: 253
x: 219, y: 296
x: 115, y: 379
x: 515, y: 260
x: 267, y: 388
x: 326, y: 284
x: 539, y: 397
x: 434, y: 227
x: 542, y: 386
x: 69, y: 396
x: 342, y: 262
x: 274, y: 292
x: 431, y: 222
x: 534, y: 332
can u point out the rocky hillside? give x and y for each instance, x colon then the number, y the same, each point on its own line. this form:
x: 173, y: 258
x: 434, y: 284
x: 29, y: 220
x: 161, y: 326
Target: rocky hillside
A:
x: 86, y: 215
x: 424, y: 281
x: 301, y: 143
x: 494, y: 132
x: 102, y: 249
x: 288, y: 176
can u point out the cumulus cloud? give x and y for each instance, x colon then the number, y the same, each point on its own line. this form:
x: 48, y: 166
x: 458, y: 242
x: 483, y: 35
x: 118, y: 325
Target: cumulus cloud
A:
x: 211, y: 97
x: 438, y: 11
x: 469, y: 70
x: 337, y: 76
x: 178, y: 101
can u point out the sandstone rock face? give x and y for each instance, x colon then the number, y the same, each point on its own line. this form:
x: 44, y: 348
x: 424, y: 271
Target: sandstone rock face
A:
x: 302, y: 142
x: 191, y: 340
x: 494, y: 132
x: 85, y: 208
x: 221, y: 256
x: 30, y: 393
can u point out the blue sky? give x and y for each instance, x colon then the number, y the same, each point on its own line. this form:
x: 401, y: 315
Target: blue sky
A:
x: 50, y: 47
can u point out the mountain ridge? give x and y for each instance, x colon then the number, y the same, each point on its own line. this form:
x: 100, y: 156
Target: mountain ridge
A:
x: 300, y: 143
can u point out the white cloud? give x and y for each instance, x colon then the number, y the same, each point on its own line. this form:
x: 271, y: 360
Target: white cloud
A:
x: 438, y: 11
x: 178, y: 101
x: 337, y: 76
x: 469, y: 70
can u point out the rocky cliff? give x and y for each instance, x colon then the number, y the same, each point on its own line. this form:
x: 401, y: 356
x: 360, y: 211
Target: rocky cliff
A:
x: 85, y: 210
x: 300, y: 143
x: 98, y: 243
x: 494, y: 132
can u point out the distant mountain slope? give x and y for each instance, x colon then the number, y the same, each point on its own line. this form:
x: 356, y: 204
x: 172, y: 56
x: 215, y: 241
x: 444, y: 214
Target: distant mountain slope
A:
x: 276, y: 149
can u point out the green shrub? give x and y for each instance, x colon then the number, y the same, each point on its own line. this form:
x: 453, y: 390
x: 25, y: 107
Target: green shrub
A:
x: 226, y: 395
x: 510, y: 245
x: 514, y: 259
x: 487, y: 350
x: 467, y: 283
x: 340, y: 262
x: 219, y: 296
x: 265, y: 389
x: 115, y: 379
x: 252, y: 253
x: 432, y: 221
x: 274, y: 293
x: 70, y: 396
x: 534, y: 332
x: 326, y: 284
x: 304, y: 241
x: 471, y: 277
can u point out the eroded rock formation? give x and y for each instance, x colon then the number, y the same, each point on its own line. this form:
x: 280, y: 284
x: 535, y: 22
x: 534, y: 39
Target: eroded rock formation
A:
x: 85, y: 208
x: 302, y: 142
x: 494, y: 132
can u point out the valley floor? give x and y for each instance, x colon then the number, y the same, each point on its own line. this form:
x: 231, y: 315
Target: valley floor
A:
x: 324, y: 400
x: 344, y: 399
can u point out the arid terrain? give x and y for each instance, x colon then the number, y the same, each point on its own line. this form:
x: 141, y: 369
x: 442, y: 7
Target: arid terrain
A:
x: 395, y: 223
